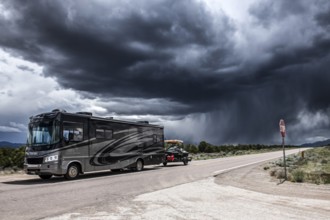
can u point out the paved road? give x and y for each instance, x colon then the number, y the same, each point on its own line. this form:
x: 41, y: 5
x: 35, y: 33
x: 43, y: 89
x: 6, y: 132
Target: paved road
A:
x: 28, y: 197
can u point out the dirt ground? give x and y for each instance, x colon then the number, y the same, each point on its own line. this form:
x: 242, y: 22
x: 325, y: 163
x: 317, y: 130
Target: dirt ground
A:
x: 255, y: 178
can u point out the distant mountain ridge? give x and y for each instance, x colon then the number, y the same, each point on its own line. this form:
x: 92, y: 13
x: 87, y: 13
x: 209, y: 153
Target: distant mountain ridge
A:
x: 4, y: 144
x: 317, y: 144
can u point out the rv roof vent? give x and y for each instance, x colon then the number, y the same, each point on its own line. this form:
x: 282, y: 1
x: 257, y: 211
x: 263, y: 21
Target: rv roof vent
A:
x: 144, y: 122
x: 84, y: 113
x: 58, y: 110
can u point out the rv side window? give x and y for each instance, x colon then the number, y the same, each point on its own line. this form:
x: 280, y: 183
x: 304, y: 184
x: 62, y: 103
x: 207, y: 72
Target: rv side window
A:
x: 73, y: 131
x: 108, y: 134
x: 99, y: 133
x: 104, y: 133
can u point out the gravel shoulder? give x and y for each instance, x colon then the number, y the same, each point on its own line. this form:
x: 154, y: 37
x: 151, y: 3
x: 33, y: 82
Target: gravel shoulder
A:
x: 255, y: 178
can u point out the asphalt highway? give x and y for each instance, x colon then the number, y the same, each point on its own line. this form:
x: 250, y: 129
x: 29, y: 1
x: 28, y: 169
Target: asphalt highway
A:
x: 28, y: 197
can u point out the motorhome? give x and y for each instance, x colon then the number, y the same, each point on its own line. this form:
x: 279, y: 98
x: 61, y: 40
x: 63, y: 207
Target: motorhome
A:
x: 69, y: 144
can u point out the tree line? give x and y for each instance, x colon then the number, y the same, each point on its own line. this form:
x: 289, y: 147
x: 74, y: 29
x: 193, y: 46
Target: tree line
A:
x: 12, y: 157
x: 204, y: 147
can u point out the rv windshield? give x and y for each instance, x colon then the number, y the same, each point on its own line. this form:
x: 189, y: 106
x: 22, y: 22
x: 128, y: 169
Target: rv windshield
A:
x: 43, y: 134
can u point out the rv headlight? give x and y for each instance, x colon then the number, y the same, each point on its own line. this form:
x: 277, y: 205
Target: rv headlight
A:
x: 51, y: 158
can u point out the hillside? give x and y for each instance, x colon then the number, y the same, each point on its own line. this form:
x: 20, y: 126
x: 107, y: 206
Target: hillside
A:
x: 317, y: 144
x: 10, y: 145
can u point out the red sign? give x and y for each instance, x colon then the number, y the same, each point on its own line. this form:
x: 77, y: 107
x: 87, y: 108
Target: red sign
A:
x: 282, y: 127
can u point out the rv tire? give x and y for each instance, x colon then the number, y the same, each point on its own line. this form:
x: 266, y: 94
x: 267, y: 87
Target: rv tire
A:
x: 73, y: 172
x: 139, y: 165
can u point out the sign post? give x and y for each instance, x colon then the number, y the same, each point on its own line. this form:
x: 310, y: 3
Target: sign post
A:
x: 282, y: 131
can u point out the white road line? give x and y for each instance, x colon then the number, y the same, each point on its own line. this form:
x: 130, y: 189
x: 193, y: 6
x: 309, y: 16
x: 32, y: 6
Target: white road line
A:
x: 215, y: 173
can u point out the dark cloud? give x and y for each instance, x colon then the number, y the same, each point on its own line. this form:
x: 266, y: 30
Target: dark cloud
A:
x: 268, y: 12
x: 139, y: 53
x: 323, y: 18
x: 180, y: 52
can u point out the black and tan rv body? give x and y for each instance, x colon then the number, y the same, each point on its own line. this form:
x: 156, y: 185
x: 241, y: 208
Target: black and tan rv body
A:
x: 61, y: 143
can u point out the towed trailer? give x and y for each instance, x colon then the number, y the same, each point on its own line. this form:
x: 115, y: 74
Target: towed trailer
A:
x: 175, y: 152
x: 69, y: 144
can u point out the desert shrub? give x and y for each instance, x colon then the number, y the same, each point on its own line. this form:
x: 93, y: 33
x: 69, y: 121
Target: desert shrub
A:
x: 288, y: 159
x: 272, y: 172
x: 301, y: 161
x: 239, y: 152
x: 318, y: 177
x: 298, y: 176
x: 280, y: 174
x: 325, y: 178
x: 324, y: 161
x: 266, y: 167
x: 279, y: 163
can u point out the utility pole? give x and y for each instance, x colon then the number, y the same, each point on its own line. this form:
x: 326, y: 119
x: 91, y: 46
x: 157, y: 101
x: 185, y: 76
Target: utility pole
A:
x: 284, y: 160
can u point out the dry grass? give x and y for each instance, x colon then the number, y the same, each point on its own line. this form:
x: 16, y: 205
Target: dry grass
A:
x: 313, y: 167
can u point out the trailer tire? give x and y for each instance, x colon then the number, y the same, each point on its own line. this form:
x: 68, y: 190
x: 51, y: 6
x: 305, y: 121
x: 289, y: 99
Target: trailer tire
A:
x: 185, y: 162
x: 45, y: 177
x: 165, y: 164
x: 139, y: 165
x: 72, y: 172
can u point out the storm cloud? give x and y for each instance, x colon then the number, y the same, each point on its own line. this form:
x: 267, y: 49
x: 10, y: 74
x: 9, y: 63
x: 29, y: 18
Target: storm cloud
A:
x: 191, y: 65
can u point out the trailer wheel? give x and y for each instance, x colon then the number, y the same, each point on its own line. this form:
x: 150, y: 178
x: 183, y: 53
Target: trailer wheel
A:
x: 45, y: 177
x: 73, y: 172
x: 139, y: 165
x: 185, y: 162
x: 164, y: 163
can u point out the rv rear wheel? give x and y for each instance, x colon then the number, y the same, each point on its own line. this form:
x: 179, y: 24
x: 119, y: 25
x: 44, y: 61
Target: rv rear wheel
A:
x: 139, y: 165
x: 45, y: 177
x: 73, y: 172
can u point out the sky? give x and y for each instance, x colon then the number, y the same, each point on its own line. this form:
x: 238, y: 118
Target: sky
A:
x: 223, y: 71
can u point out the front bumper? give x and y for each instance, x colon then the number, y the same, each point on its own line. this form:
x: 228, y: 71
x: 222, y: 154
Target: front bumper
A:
x: 43, y: 169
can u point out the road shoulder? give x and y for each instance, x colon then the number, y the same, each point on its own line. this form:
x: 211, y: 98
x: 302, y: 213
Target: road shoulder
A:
x: 255, y: 178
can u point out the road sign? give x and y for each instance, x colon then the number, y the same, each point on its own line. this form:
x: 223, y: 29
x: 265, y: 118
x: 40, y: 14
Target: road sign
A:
x: 282, y: 127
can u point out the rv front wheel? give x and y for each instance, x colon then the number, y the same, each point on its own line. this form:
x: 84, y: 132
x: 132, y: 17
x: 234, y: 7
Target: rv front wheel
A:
x: 73, y: 172
x: 139, y: 165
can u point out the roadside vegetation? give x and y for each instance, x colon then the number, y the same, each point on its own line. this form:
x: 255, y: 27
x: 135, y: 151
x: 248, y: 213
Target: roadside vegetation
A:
x: 205, y: 150
x: 11, y: 160
x: 312, y: 166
